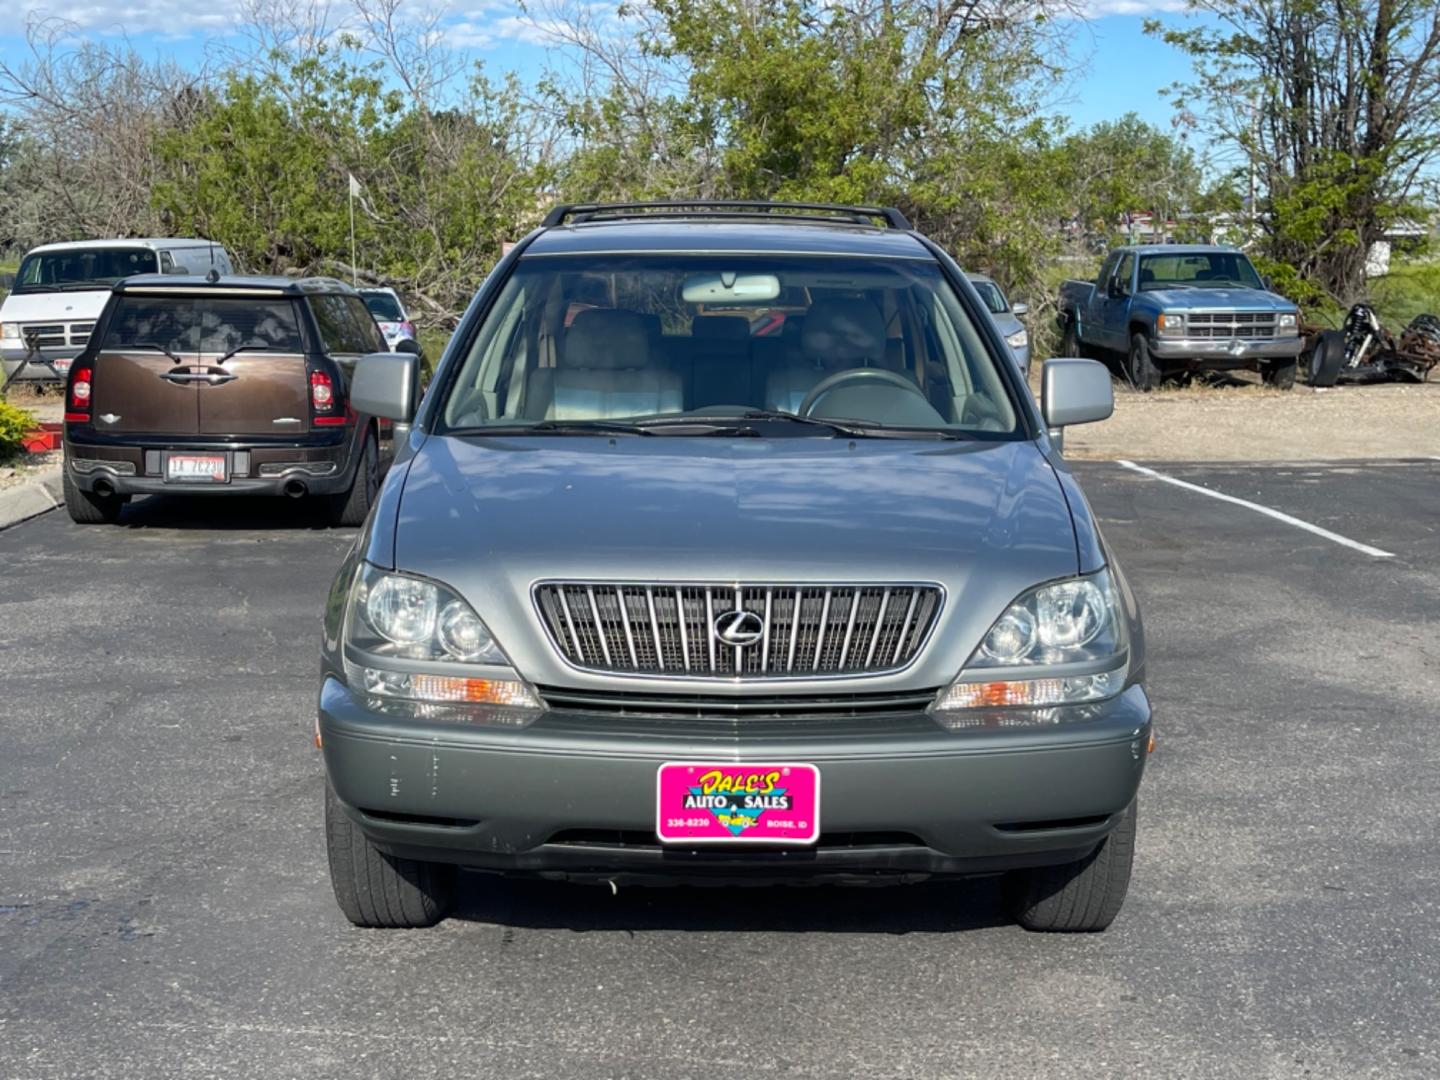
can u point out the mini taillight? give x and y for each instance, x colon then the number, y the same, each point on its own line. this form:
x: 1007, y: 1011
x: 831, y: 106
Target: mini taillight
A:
x: 322, y: 392
x: 78, y: 411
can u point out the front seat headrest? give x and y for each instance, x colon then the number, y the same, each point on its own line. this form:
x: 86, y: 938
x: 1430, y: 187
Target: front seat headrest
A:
x: 720, y: 327
x: 607, y: 339
x: 843, y: 331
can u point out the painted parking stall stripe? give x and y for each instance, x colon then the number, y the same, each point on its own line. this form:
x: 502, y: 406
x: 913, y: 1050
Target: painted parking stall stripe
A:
x: 1343, y: 541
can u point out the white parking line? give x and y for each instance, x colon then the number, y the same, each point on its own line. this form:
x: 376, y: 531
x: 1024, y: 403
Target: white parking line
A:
x: 1344, y: 541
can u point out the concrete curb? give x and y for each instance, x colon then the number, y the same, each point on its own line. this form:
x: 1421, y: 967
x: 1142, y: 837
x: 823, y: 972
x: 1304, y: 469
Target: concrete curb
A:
x: 37, y: 495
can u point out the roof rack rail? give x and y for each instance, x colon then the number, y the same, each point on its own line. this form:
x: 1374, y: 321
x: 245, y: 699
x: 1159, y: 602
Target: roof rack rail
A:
x: 578, y: 212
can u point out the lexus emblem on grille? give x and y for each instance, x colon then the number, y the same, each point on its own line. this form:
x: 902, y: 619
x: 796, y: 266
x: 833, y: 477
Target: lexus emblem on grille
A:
x: 739, y: 627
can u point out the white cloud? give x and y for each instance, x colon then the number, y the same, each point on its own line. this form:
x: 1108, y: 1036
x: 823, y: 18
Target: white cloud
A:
x: 1098, y: 9
x: 164, y: 17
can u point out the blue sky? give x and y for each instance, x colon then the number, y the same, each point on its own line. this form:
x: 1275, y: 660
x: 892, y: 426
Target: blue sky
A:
x: 1118, y: 68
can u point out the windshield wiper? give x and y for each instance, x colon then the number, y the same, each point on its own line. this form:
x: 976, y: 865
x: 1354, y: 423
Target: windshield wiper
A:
x: 247, y: 348
x: 154, y: 348
x: 855, y: 429
x: 554, y: 427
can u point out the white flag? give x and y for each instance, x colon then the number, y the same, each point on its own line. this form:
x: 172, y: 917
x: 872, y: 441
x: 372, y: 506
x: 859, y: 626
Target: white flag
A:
x: 354, y: 185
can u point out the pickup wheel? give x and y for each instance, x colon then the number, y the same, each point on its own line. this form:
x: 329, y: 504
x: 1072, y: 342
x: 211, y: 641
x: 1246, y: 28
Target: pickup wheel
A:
x: 1327, y: 357
x: 1144, y: 375
x: 1078, y: 897
x: 1070, y: 340
x: 1280, y: 373
x: 88, y: 508
x: 374, y: 889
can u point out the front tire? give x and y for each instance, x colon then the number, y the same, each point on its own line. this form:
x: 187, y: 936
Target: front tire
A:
x: 88, y: 508
x: 1079, y: 897
x: 1143, y: 372
x: 350, y: 507
x: 374, y: 889
x: 1070, y: 339
x: 1280, y: 374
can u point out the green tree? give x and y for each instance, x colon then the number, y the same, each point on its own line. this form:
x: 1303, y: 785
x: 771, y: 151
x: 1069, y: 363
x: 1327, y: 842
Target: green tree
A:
x: 1333, y: 108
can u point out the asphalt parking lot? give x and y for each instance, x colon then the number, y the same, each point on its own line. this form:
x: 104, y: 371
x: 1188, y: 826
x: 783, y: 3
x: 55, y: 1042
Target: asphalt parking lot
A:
x: 165, y: 909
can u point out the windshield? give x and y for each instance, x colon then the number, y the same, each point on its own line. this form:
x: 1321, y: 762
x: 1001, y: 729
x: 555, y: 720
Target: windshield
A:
x: 190, y: 325
x: 384, y: 307
x: 1197, y: 270
x: 576, y: 340
x: 97, y: 267
x: 993, y: 297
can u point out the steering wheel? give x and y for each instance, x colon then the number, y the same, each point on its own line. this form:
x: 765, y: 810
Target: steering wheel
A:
x: 825, y: 385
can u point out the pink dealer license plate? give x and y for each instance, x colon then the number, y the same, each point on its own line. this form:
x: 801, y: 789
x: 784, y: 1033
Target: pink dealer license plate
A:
x: 704, y: 803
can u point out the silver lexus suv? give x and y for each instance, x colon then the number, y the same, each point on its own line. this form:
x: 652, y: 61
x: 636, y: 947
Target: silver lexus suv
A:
x: 728, y: 545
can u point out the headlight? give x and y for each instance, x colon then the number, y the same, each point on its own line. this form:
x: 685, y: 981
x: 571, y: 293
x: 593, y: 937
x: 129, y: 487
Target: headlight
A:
x: 1058, y: 644
x: 1170, y: 325
x: 10, y: 331
x: 1288, y: 323
x: 1018, y: 340
x: 400, y: 624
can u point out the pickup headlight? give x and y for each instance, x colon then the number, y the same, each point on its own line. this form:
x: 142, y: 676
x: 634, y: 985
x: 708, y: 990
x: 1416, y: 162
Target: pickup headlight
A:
x: 10, y: 331
x: 1288, y: 324
x: 410, y: 633
x: 1058, y: 644
x: 1018, y: 340
x: 1170, y: 325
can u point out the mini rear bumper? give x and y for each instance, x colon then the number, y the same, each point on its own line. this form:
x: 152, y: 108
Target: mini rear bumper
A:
x: 262, y: 469
x: 571, y: 796
x: 1222, y: 353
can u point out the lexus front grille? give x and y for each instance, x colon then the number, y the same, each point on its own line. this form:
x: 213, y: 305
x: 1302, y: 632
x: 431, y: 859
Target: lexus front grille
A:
x: 737, y: 631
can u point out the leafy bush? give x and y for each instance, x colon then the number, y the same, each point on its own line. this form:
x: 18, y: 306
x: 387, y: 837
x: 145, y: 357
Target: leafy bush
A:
x: 14, y: 423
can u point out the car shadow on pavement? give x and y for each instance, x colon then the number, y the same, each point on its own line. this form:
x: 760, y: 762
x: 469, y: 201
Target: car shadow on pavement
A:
x: 933, y: 907
x: 199, y: 512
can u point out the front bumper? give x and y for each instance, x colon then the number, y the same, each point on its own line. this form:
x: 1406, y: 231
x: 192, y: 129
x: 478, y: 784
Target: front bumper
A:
x: 573, y: 795
x: 258, y: 469
x: 1222, y: 352
x: 40, y: 365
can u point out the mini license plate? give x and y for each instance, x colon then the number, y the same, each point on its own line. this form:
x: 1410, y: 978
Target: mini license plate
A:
x: 192, y: 467
x: 705, y: 803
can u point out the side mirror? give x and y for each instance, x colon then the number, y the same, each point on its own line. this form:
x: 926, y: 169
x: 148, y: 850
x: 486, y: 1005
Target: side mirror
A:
x: 1267, y: 283
x: 1115, y: 288
x: 1019, y: 307
x: 1074, y: 391
x: 384, y: 384
x: 408, y: 345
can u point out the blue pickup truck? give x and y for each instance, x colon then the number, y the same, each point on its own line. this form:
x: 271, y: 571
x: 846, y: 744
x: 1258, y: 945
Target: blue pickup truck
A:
x: 1171, y: 308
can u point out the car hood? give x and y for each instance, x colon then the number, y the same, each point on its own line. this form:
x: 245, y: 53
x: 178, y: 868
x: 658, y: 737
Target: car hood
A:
x: 54, y: 306
x: 1236, y: 299
x: 491, y: 517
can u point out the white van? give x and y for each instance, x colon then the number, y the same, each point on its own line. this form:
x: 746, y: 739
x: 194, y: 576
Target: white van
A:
x: 60, y: 290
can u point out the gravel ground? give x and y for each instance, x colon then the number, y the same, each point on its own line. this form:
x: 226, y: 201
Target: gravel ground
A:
x: 1249, y: 423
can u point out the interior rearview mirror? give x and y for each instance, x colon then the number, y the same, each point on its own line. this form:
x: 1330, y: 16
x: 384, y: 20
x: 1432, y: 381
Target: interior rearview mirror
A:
x: 383, y: 385
x: 727, y: 286
x: 1075, y: 391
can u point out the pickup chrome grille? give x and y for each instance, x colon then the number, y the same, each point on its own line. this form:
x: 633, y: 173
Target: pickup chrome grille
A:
x: 790, y: 631
x: 1231, y: 324
x: 57, y: 335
